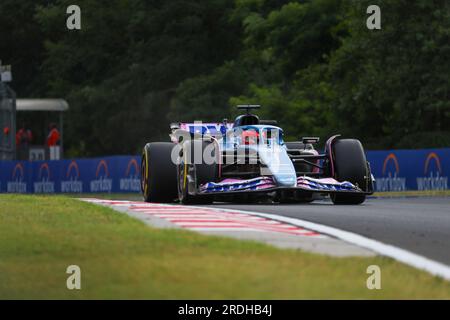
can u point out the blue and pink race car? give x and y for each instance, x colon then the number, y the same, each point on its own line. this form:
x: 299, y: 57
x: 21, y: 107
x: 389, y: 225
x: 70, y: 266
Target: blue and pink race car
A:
x: 249, y: 161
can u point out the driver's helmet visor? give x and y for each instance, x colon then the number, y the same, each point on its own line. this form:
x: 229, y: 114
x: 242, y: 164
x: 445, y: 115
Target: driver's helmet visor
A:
x: 249, y: 137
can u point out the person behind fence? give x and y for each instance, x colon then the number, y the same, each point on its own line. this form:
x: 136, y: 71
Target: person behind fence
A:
x: 53, y: 136
x: 23, y: 137
x: 52, y: 141
x: 6, y: 141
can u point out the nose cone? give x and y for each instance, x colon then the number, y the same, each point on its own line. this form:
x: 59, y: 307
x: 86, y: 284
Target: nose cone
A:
x: 279, y: 165
x: 284, y: 180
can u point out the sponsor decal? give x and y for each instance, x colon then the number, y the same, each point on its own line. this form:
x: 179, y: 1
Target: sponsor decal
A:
x: 17, y: 184
x: 44, y: 184
x: 206, y: 128
x: 238, y: 185
x: 71, y: 184
x: 433, y: 178
x: 325, y: 184
x: 131, y: 182
x: 102, y: 183
x: 391, y: 180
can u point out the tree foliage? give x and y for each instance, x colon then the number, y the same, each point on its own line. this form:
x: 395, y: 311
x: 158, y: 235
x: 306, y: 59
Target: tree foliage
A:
x: 136, y: 65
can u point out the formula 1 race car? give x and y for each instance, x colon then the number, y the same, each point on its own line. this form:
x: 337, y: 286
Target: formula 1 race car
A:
x: 248, y: 160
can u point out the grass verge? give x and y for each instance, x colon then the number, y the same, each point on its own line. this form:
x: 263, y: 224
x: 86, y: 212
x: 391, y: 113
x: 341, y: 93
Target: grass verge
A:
x: 121, y: 258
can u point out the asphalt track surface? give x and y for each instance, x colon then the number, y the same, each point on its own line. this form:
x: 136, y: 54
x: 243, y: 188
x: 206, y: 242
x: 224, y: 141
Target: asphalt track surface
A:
x: 420, y: 225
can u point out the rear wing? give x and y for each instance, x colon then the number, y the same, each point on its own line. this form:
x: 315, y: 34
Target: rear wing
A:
x: 200, y: 129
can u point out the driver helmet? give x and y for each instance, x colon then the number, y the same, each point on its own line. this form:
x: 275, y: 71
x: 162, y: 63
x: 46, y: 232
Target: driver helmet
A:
x: 250, y: 137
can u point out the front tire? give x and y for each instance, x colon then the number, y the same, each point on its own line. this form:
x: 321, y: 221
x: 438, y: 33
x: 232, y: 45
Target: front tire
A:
x: 158, y: 173
x: 191, y: 175
x: 350, y: 165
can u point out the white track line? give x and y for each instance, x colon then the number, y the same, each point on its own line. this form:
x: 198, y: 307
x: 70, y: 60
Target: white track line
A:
x: 407, y: 257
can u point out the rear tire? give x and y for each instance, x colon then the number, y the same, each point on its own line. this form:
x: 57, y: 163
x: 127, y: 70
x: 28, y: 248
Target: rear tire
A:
x: 350, y: 165
x: 158, y: 173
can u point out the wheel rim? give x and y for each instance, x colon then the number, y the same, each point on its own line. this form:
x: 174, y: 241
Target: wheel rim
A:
x: 144, y: 177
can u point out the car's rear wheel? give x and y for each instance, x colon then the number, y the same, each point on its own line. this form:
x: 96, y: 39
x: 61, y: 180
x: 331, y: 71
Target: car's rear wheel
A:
x: 350, y: 165
x: 192, y: 175
x: 158, y: 173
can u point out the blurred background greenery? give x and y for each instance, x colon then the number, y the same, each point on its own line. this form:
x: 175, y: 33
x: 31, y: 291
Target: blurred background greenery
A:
x: 137, y: 65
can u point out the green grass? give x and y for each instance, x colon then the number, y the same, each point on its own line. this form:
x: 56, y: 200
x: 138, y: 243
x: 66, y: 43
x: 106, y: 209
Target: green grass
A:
x: 122, y: 258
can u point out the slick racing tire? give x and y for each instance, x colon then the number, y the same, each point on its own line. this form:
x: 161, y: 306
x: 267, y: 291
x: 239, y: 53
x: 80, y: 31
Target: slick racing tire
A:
x: 192, y: 175
x: 158, y: 173
x: 350, y: 165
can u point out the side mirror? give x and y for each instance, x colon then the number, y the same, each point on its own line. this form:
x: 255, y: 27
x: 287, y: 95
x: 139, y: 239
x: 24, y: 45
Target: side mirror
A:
x: 310, y: 140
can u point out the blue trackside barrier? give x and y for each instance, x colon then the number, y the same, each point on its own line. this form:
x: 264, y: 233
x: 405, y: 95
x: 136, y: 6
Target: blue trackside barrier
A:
x: 400, y: 170
x: 119, y: 174
x: 395, y: 170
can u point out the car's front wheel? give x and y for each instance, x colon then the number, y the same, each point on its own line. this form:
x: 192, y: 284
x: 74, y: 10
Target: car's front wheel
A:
x: 195, y: 171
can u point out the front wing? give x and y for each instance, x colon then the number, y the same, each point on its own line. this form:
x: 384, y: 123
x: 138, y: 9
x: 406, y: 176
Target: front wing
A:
x: 267, y: 184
